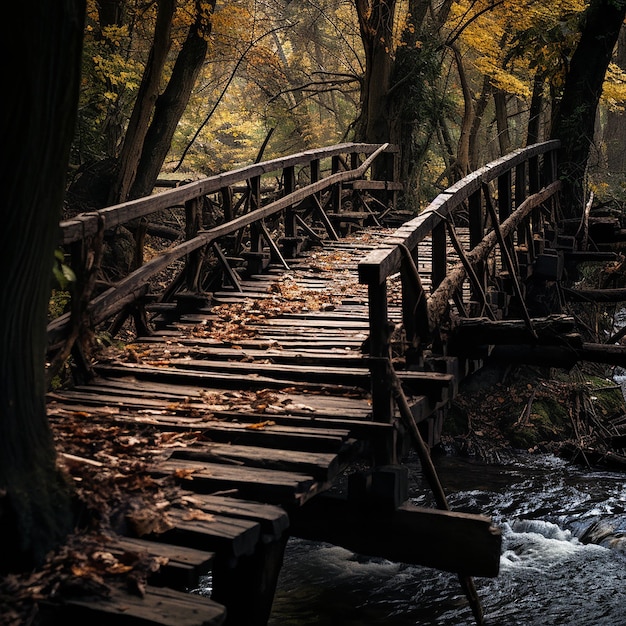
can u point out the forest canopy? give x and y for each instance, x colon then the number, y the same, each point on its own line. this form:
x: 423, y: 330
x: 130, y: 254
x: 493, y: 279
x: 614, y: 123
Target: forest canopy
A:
x: 454, y: 83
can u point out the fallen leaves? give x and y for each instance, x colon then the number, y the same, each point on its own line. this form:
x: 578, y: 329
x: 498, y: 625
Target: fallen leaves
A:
x: 260, y: 425
x: 149, y: 521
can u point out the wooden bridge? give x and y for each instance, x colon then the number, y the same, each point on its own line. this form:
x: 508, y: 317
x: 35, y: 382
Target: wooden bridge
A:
x: 291, y: 348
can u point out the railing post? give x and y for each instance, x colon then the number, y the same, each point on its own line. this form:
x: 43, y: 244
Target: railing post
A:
x: 255, y: 203
x: 534, y: 185
x: 520, y: 196
x: 256, y: 259
x: 505, y: 201
x: 193, y: 224
x: 290, y: 242
x: 550, y: 175
x: 380, y: 351
x: 336, y: 190
x: 227, y: 203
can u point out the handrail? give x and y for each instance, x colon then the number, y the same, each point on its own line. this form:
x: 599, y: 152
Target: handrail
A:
x: 134, y: 286
x: 86, y: 224
x: 382, y: 263
x: 519, y: 195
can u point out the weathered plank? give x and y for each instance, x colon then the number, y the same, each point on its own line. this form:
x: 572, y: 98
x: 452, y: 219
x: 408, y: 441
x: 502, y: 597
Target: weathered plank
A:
x: 213, y: 379
x: 183, y: 568
x: 273, y: 519
x: 271, y: 486
x: 224, y: 535
x: 158, y: 607
x: 456, y: 542
x: 322, y: 466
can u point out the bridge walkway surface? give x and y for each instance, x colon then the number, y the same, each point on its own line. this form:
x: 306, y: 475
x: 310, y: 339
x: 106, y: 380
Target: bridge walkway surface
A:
x: 245, y: 410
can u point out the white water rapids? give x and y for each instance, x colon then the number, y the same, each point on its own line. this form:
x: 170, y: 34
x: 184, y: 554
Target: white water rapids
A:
x: 563, y: 559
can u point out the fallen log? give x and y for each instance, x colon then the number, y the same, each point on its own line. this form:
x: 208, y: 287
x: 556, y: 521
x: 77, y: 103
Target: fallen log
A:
x: 439, y: 299
x: 594, y: 295
x: 564, y: 357
x: 552, y: 330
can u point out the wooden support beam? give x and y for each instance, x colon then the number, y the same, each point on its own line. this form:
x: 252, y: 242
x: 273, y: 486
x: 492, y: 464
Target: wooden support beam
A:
x: 560, y: 356
x: 445, y: 540
x: 438, y: 301
x: 505, y: 241
x: 594, y: 295
x: 482, y: 331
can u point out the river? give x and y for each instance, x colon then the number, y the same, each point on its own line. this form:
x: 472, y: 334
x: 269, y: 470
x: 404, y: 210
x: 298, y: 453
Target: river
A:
x: 563, y: 556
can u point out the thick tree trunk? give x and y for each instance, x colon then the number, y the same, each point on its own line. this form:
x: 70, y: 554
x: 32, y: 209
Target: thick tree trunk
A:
x: 615, y: 129
x: 376, y: 19
x: 463, y: 150
x: 171, y: 104
x: 575, y: 119
x: 41, y: 52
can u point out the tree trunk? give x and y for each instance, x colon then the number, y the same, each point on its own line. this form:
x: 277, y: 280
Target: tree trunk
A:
x: 144, y: 104
x: 41, y: 51
x: 171, y: 105
x: 502, y: 122
x: 575, y: 118
x: 463, y: 150
x: 615, y: 129
x: 536, y: 106
x: 376, y: 19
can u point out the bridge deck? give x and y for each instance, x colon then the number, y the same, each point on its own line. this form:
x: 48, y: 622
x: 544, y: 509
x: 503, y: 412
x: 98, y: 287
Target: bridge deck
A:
x: 246, y: 408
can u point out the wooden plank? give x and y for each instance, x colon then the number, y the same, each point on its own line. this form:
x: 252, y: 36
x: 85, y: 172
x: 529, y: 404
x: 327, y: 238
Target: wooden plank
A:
x: 158, y: 607
x: 322, y: 466
x: 184, y: 347
x: 184, y: 565
x: 214, y: 379
x: 322, y: 406
x: 224, y: 535
x: 273, y: 519
x: 350, y: 377
x: 270, y: 435
x: 457, y: 542
x: 271, y: 486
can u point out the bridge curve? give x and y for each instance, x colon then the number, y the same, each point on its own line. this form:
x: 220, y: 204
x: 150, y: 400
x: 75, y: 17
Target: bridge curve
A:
x: 280, y: 398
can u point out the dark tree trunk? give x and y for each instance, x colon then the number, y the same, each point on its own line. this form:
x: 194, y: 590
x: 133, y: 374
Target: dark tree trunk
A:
x: 376, y: 18
x: 615, y: 129
x: 502, y: 122
x: 41, y: 52
x: 575, y: 118
x: 144, y: 104
x: 536, y: 106
x: 171, y: 104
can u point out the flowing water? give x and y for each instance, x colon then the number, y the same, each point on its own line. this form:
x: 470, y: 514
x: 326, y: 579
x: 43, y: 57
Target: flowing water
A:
x: 563, y: 556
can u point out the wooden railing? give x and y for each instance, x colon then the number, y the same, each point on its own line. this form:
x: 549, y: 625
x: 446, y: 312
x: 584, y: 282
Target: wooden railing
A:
x: 525, y: 192
x: 309, y: 189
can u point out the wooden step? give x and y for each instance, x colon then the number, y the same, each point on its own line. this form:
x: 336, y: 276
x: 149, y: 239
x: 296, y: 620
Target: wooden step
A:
x: 183, y: 568
x: 158, y: 607
x: 322, y: 466
x: 263, y: 485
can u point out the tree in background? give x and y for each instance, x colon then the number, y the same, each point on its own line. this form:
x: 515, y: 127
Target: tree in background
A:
x: 37, y: 128
x: 574, y: 122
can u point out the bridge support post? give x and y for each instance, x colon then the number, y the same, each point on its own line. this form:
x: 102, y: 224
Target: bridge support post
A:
x: 380, y: 346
